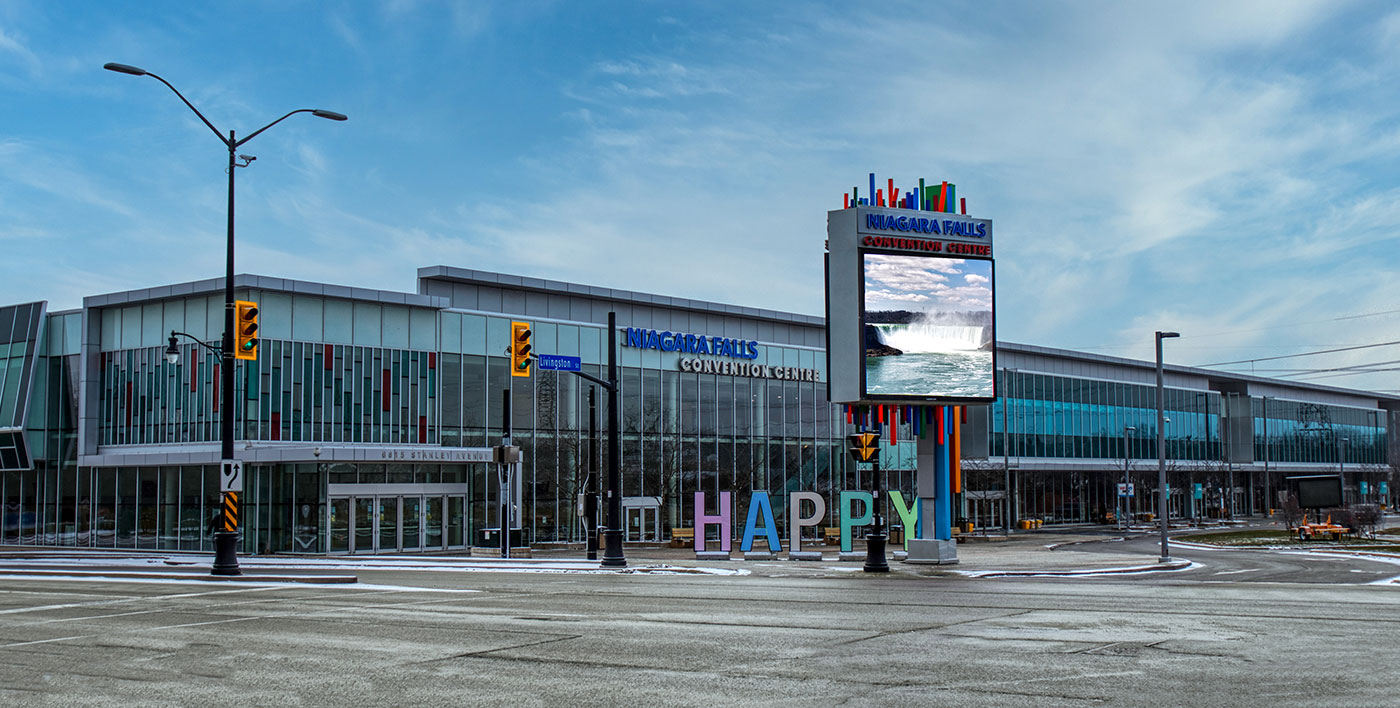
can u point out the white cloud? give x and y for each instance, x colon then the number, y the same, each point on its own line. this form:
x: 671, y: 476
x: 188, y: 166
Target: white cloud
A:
x: 1207, y: 167
x: 12, y: 45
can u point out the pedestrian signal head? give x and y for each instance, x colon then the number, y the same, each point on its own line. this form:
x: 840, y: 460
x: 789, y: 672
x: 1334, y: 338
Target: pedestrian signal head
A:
x: 864, y: 447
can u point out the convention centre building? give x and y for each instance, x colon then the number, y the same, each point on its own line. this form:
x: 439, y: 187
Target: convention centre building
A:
x: 366, y: 421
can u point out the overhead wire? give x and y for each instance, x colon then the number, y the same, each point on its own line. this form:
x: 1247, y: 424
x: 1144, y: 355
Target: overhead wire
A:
x: 1257, y: 329
x: 1294, y: 356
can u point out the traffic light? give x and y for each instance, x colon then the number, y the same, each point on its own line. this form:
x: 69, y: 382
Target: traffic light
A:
x: 865, y: 447
x: 520, y: 349
x: 245, y: 330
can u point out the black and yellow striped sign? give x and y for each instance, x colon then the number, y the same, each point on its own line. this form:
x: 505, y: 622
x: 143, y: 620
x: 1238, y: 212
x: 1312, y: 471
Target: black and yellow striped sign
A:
x: 230, y: 511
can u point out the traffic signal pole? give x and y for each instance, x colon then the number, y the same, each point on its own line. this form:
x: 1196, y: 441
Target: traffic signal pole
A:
x: 503, y: 475
x: 865, y: 447
x: 226, y: 540
x: 612, y: 537
x: 590, y: 483
x: 612, y: 534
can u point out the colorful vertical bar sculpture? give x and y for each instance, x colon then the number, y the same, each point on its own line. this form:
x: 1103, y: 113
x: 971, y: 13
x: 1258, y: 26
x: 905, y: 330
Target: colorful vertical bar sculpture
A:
x: 955, y: 454
x: 942, y: 489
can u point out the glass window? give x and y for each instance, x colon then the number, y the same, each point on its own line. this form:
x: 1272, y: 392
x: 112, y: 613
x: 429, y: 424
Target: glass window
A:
x: 422, y: 329
x: 707, y: 412
x: 473, y: 334
x: 590, y: 345
x: 394, y: 323
x: 546, y: 338
x: 724, y: 400
x: 73, y: 333
x: 174, y: 318
x: 275, y: 315
x: 153, y: 331
x: 307, y: 318
x: 568, y: 340
x: 450, y: 366
x: 474, y: 400
x: 339, y: 322
x: 451, y: 324
x: 626, y: 356
x: 213, y: 316
x: 129, y: 332
x: 367, y: 324
x: 497, y: 336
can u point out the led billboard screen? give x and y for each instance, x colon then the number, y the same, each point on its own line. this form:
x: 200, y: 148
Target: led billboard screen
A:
x: 910, y: 307
x: 928, y: 327
x: 1319, y: 491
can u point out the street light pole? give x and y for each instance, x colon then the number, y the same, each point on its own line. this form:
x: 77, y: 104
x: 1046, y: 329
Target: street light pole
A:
x: 1341, y: 464
x: 1123, y: 520
x: 226, y: 541
x: 1162, y: 448
x: 1005, y: 451
x: 1268, y: 502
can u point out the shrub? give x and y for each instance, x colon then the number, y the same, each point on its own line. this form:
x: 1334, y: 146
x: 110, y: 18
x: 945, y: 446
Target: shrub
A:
x: 1365, y: 518
x: 1291, y: 512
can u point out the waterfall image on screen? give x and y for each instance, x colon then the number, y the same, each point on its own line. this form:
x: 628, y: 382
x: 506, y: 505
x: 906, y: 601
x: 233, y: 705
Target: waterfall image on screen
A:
x: 928, y: 327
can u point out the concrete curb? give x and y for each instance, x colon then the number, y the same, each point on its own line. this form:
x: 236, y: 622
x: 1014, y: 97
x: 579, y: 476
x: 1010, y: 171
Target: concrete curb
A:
x: 133, y: 575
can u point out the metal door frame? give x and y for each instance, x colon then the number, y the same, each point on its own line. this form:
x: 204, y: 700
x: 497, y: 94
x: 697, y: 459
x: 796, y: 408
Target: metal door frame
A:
x: 420, y: 498
x: 349, y: 525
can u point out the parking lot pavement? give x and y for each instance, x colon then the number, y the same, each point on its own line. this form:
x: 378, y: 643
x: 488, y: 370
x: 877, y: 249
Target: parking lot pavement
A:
x: 786, y: 634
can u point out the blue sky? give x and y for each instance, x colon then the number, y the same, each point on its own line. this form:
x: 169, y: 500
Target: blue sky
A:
x: 1227, y: 170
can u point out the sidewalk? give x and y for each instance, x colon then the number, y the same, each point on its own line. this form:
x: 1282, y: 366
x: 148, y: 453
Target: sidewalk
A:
x: 1053, y: 552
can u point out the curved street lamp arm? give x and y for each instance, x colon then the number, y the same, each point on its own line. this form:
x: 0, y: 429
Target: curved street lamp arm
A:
x: 216, y: 351
x: 222, y: 139
x: 255, y: 133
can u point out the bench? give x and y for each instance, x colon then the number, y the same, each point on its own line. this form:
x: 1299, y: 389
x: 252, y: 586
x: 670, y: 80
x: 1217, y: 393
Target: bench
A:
x: 682, y: 537
x: 831, y: 535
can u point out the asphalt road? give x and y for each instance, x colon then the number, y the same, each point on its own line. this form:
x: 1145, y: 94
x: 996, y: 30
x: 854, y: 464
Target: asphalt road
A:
x: 1247, y: 565
x: 786, y: 634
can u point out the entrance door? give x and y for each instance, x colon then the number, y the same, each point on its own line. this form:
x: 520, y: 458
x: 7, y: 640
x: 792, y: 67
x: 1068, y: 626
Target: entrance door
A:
x: 412, y: 523
x: 340, y: 525
x: 392, y: 523
x: 640, y: 524
x: 388, y: 524
x: 986, y: 513
x: 362, y: 520
x: 456, y: 520
x: 432, y: 523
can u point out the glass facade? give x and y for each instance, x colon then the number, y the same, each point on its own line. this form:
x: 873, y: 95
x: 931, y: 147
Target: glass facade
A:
x: 1042, y: 415
x: 294, y: 391
x: 358, y: 374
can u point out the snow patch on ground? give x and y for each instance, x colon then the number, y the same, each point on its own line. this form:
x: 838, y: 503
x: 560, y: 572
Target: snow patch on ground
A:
x: 1083, y: 573
x: 175, y: 563
x: 1387, y: 558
